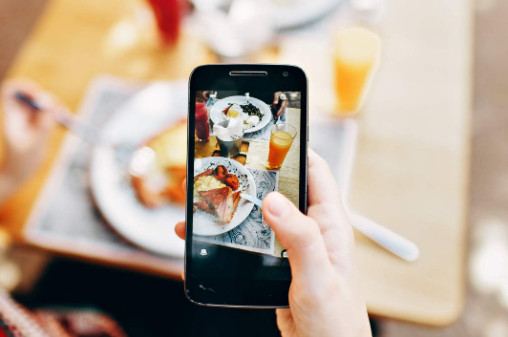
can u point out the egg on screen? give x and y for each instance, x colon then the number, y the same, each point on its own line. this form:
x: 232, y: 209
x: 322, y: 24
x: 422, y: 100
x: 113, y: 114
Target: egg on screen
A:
x: 232, y: 113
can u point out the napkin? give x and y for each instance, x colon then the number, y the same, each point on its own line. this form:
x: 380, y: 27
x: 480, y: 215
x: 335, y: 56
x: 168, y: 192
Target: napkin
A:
x: 233, y: 130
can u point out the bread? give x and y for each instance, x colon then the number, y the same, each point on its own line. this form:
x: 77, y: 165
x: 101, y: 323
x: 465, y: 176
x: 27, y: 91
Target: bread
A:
x: 204, y: 206
x: 163, y: 183
x: 223, y: 202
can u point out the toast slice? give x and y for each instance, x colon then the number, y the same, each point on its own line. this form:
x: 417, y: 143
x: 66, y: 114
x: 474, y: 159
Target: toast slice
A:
x: 204, y: 206
x: 232, y: 209
x: 161, y: 182
x: 222, y: 201
x: 218, y: 200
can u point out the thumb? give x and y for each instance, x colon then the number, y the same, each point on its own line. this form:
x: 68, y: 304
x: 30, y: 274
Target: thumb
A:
x: 299, y: 234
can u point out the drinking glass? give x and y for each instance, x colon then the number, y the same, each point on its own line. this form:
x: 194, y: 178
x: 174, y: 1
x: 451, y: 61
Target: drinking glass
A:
x: 167, y: 14
x: 281, y: 138
x: 202, y: 122
x: 355, y: 58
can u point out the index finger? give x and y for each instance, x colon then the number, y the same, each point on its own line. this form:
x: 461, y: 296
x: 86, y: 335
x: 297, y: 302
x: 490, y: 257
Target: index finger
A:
x: 326, y: 208
x: 180, y: 230
x: 322, y: 186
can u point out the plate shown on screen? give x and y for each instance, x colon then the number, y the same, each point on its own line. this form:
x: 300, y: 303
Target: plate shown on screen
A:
x: 208, y: 224
x: 217, y: 110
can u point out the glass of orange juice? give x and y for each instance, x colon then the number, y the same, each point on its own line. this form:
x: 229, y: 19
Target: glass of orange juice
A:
x: 356, y: 56
x: 281, y: 138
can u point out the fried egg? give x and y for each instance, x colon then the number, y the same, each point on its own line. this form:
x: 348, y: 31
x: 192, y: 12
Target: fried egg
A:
x: 206, y: 183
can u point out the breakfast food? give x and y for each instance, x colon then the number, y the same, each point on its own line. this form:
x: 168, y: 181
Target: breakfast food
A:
x: 251, y: 110
x: 252, y: 121
x: 216, y: 191
x: 159, y: 180
x: 222, y: 201
x: 248, y: 113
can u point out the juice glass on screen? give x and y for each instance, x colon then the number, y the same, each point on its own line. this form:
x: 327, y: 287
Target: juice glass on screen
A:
x: 202, y: 122
x: 281, y: 138
x: 356, y: 56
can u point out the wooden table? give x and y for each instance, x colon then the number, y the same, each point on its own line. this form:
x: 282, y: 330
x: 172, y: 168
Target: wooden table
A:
x: 412, y: 168
x: 413, y: 150
x: 412, y: 164
x: 73, y: 42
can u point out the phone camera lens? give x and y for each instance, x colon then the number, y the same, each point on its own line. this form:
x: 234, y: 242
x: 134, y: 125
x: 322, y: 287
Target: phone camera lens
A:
x: 285, y: 74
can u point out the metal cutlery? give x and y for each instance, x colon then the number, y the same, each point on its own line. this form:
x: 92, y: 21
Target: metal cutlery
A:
x: 384, y: 237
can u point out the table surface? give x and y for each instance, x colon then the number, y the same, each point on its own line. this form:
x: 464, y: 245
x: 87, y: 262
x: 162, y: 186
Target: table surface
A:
x: 411, y: 171
x: 412, y: 166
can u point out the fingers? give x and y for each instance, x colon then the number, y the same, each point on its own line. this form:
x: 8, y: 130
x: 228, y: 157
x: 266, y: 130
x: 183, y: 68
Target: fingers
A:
x: 16, y: 109
x: 322, y: 185
x: 30, y: 89
x: 180, y: 230
x: 298, y: 233
x: 325, y: 206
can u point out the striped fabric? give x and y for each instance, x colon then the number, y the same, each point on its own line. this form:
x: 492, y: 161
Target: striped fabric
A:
x: 16, y: 321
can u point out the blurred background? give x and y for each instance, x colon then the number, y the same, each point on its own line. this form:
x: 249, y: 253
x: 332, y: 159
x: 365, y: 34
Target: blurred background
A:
x: 415, y: 93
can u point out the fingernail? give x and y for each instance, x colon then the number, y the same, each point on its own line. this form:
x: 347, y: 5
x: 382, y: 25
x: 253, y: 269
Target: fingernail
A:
x: 277, y: 205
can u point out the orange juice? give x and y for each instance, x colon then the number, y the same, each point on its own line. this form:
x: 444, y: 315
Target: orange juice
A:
x: 356, y: 55
x: 280, y: 142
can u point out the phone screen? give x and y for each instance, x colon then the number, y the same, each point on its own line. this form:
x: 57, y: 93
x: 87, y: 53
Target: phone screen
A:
x: 247, y: 143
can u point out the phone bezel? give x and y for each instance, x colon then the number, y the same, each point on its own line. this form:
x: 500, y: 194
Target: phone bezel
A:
x: 256, y: 293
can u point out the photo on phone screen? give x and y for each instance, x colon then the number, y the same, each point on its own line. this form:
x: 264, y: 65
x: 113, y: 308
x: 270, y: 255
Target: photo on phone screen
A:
x: 247, y: 144
x: 247, y: 137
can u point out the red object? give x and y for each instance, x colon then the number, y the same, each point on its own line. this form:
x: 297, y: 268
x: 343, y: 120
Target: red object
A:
x: 227, y: 109
x: 202, y: 122
x: 167, y: 16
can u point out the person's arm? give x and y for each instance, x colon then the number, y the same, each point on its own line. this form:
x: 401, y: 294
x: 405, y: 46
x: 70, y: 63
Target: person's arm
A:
x: 325, y: 296
x: 25, y: 133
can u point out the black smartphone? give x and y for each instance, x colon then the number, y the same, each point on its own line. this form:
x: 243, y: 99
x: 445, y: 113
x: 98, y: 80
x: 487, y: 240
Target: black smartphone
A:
x: 247, y: 137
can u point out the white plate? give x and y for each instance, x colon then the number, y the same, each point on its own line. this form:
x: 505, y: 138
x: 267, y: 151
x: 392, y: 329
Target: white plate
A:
x: 217, y: 114
x: 295, y: 13
x: 207, y: 224
x: 287, y: 13
x: 148, y: 113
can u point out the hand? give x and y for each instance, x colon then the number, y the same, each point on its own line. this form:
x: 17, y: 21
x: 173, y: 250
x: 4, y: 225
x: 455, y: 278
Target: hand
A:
x: 325, y: 297
x: 26, y: 130
x: 283, y: 106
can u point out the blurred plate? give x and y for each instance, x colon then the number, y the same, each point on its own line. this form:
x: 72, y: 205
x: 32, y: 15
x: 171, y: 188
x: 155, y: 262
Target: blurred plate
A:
x: 147, y: 114
x: 293, y: 13
x: 287, y: 13
x: 207, y: 224
x: 217, y: 114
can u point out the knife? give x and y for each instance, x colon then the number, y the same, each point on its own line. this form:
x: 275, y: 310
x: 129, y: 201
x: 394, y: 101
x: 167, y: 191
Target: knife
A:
x: 386, y: 238
x: 254, y: 200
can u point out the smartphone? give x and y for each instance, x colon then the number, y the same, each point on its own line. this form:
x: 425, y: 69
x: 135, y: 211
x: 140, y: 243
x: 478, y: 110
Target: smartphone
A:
x: 247, y: 137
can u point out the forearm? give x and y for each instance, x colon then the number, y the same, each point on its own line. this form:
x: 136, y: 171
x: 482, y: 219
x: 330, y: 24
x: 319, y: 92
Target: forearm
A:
x: 8, y: 184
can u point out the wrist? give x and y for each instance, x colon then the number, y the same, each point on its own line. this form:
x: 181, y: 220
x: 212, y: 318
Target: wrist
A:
x: 10, y: 172
x: 8, y: 184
